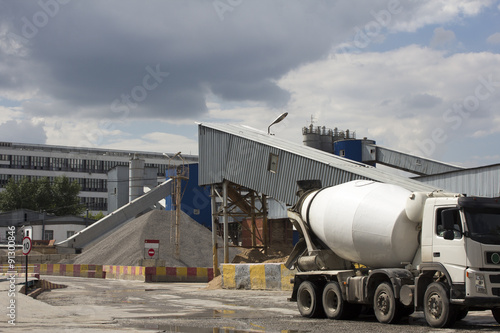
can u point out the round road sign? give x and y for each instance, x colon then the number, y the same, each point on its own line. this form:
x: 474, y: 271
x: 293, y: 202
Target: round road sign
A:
x: 151, y: 252
x: 26, y: 245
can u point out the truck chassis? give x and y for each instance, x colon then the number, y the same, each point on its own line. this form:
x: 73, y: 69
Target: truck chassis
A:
x: 391, y: 293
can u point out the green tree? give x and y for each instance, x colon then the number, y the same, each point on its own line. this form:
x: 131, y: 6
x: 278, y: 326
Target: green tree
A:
x: 17, y: 195
x: 65, y: 196
x: 42, y: 195
x: 59, y: 197
x: 96, y: 216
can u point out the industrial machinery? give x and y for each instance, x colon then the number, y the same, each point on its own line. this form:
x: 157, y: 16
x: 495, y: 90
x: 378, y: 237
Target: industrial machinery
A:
x: 375, y: 245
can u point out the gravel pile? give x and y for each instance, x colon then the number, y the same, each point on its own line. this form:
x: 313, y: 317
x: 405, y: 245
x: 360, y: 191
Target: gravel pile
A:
x: 125, y: 246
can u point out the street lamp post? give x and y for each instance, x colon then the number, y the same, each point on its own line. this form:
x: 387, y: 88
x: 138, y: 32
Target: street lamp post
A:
x: 277, y: 120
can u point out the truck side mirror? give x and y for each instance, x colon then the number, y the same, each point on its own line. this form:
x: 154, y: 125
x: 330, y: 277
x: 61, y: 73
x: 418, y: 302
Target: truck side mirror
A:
x: 449, y: 217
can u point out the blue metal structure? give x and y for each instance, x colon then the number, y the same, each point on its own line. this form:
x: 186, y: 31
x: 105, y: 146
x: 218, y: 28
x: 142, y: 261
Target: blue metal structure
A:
x: 351, y: 149
x: 195, y: 200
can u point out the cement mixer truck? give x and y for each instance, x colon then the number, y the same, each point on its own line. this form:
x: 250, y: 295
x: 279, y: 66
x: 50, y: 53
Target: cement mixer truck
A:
x: 368, y: 245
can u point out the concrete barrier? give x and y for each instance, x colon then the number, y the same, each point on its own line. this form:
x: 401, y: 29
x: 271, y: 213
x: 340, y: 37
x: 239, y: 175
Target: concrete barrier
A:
x: 179, y: 274
x: 159, y: 274
x: 40, y: 286
x: 272, y: 276
x: 87, y: 271
x: 19, y: 271
x: 18, y: 268
x: 125, y: 272
x: 146, y: 274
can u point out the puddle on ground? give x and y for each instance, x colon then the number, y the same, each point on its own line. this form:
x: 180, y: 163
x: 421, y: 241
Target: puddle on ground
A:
x: 118, y: 291
x: 204, y: 314
x: 225, y: 314
x: 187, y: 329
x: 214, y: 314
x: 209, y: 314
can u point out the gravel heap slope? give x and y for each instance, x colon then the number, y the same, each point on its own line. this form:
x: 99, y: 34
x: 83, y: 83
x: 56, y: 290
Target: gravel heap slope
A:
x: 125, y: 246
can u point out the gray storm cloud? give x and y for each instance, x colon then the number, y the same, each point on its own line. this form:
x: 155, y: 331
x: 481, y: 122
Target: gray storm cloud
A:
x: 96, y: 57
x: 155, y: 59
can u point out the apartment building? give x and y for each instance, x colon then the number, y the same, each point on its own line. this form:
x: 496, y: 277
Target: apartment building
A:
x: 93, y: 168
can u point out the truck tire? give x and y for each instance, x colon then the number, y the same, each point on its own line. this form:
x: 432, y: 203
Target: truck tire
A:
x: 308, y: 302
x: 438, y: 311
x: 496, y: 314
x: 386, y: 307
x: 334, y: 305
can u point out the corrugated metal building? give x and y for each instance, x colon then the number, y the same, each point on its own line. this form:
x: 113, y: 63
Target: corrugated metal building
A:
x: 271, y: 165
x: 403, y: 161
x: 481, y: 181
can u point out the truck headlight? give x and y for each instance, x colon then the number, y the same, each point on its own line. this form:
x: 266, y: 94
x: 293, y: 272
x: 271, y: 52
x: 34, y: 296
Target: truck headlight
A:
x: 480, y: 284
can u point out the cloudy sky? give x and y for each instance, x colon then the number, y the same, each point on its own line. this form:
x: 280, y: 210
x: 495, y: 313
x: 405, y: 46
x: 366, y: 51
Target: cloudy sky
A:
x: 418, y: 76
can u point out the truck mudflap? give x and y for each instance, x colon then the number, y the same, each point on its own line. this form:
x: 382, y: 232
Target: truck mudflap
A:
x: 397, y: 276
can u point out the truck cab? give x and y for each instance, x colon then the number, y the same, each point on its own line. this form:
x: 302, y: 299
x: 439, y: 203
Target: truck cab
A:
x: 461, y: 249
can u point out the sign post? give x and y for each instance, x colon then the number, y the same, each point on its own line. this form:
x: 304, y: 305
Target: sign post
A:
x: 26, y: 251
x: 151, y: 248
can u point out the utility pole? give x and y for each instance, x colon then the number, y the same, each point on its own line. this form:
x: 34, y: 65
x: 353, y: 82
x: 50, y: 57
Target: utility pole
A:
x: 181, y: 172
x: 215, y: 222
x: 177, y: 215
x: 265, y: 227
x: 225, y: 220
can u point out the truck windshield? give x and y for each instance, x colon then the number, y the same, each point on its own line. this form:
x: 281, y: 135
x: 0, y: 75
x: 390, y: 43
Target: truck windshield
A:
x: 483, y: 225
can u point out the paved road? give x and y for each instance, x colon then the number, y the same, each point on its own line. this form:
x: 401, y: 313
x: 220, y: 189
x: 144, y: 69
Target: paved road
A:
x: 95, y: 305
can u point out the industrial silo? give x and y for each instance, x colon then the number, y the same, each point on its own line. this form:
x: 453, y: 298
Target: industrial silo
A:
x: 311, y: 136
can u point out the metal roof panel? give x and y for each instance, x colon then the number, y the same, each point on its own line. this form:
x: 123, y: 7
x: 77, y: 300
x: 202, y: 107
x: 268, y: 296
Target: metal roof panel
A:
x: 240, y: 154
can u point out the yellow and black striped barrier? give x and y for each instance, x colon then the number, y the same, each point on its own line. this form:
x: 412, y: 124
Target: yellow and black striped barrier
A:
x: 271, y: 276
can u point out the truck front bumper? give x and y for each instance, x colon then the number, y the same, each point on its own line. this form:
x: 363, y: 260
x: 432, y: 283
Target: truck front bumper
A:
x: 482, y: 288
x: 482, y: 302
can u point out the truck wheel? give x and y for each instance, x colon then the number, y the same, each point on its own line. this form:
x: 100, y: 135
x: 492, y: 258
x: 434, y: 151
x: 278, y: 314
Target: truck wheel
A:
x: 385, y: 306
x: 438, y: 311
x: 308, y: 301
x: 333, y: 303
x: 496, y: 314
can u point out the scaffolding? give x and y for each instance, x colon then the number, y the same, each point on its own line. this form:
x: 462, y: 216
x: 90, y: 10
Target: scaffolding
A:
x: 236, y: 202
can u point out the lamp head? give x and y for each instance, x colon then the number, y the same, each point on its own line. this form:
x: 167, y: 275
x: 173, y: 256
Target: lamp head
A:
x: 277, y: 120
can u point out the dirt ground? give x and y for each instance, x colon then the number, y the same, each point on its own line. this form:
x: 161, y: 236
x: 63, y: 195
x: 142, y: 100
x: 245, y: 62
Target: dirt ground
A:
x: 256, y: 255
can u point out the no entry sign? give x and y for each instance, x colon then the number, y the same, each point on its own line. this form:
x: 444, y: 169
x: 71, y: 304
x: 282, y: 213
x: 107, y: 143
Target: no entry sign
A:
x: 151, y: 248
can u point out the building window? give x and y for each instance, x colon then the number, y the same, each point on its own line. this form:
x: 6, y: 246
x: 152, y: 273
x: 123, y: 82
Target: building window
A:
x: 342, y: 153
x: 272, y: 163
x: 457, y: 226
x: 48, y: 235
x: 69, y: 234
